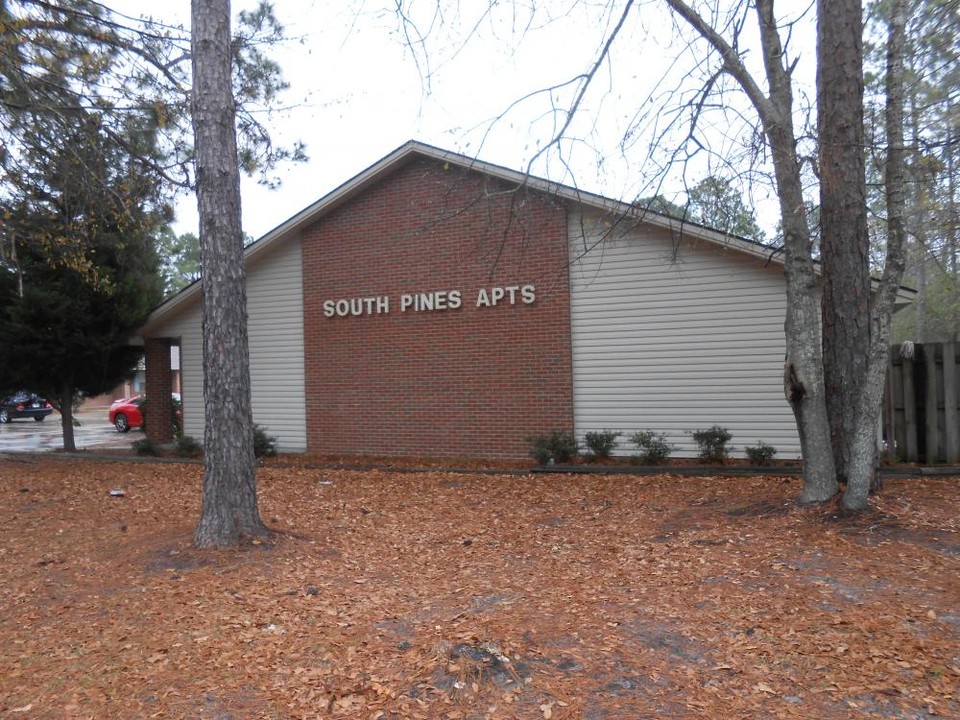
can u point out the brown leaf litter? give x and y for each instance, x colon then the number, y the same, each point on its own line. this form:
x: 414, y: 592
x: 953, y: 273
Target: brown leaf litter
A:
x: 444, y: 595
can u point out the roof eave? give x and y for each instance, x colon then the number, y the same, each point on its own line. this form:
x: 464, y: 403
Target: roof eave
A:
x: 676, y: 226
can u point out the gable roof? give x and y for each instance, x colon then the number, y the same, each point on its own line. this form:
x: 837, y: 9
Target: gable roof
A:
x: 412, y: 150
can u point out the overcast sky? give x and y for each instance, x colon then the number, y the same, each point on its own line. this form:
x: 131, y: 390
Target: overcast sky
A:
x: 358, y: 92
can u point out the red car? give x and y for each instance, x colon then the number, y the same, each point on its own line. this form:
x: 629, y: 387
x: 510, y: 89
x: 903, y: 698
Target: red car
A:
x: 128, y: 413
x: 125, y: 413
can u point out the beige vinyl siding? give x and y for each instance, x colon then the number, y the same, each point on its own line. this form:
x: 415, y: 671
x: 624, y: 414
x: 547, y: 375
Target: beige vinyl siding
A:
x: 672, y: 339
x: 275, y: 323
x: 275, y: 327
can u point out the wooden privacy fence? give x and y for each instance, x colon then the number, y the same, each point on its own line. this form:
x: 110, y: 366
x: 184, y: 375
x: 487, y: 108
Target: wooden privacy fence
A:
x: 921, y: 405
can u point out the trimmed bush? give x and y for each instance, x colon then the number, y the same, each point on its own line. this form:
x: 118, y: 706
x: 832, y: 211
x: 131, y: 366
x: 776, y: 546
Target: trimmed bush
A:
x: 263, y: 445
x: 654, y: 448
x: 178, y: 417
x: 559, y: 446
x: 601, y: 444
x: 145, y: 446
x: 188, y: 447
x: 713, y: 444
x: 761, y: 453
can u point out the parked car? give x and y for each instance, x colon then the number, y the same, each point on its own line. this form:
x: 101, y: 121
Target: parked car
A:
x: 129, y: 412
x: 125, y: 413
x: 24, y: 404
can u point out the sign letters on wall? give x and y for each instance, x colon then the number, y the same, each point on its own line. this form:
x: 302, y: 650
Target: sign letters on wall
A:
x: 429, y: 301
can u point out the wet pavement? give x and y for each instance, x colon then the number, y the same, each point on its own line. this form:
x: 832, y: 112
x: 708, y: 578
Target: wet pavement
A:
x: 93, y: 432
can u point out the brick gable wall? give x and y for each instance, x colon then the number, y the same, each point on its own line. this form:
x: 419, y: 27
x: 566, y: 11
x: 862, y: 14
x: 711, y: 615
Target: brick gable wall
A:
x: 455, y: 382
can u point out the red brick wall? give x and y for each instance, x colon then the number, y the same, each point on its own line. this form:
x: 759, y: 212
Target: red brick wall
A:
x: 467, y: 382
x: 159, y: 382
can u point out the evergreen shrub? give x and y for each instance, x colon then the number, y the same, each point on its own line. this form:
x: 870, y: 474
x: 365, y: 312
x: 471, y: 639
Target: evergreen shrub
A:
x: 654, y: 448
x: 559, y: 446
x: 761, y: 453
x: 188, y: 447
x: 601, y: 444
x: 263, y: 445
x: 713, y: 444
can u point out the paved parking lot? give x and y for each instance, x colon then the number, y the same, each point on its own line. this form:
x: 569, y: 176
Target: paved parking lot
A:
x: 94, y: 431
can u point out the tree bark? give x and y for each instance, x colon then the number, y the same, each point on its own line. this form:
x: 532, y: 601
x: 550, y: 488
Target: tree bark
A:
x: 229, y: 511
x: 919, y: 228
x: 66, y: 416
x: 843, y: 215
x: 862, y: 463
x: 803, y: 367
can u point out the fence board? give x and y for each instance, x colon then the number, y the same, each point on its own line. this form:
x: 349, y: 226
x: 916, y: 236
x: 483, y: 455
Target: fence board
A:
x: 930, y: 401
x: 951, y: 407
x: 922, y: 404
x: 889, y: 419
x: 909, y: 411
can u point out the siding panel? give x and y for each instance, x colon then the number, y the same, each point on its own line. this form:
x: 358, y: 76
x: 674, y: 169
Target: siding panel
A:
x: 275, y: 327
x: 275, y: 324
x: 674, y: 339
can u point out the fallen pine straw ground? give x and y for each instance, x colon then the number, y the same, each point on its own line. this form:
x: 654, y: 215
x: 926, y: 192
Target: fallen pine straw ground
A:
x: 438, y: 595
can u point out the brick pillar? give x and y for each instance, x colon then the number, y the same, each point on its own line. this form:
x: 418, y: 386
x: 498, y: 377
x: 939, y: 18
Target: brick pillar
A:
x: 159, y: 386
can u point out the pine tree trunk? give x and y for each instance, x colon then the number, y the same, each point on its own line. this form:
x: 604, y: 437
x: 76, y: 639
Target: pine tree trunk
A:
x: 919, y: 229
x: 843, y: 216
x: 803, y: 373
x: 803, y: 367
x: 66, y: 417
x: 803, y: 385
x: 229, y: 511
x: 862, y: 467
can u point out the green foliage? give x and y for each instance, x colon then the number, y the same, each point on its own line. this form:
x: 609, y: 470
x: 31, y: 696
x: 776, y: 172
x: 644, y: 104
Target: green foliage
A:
x: 660, y: 204
x: 263, y: 445
x: 180, y: 260
x: 761, y: 453
x: 937, y: 307
x: 188, y: 447
x: 79, y: 59
x: 601, y: 444
x: 713, y: 443
x: 558, y: 446
x: 176, y: 406
x: 145, y: 446
x: 176, y: 413
x: 78, y: 218
x: 80, y: 326
x: 932, y: 164
x: 654, y: 448
x: 714, y: 202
